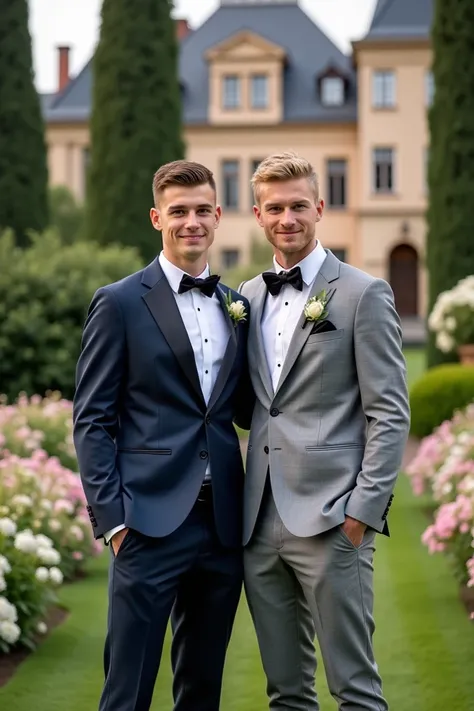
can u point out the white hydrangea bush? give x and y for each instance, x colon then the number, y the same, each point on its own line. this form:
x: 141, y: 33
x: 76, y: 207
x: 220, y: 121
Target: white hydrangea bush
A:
x: 452, y: 316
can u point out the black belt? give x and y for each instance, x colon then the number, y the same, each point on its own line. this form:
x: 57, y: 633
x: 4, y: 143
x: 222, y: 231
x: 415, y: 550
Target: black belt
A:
x: 205, y: 493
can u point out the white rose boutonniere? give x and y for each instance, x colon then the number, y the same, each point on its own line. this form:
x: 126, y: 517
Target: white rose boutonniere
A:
x: 315, y: 308
x: 235, y: 309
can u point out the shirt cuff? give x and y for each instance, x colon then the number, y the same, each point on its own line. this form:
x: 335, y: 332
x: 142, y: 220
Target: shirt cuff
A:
x: 109, y: 534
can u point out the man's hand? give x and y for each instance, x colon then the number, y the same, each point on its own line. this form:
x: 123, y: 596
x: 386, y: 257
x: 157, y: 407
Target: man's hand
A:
x: 354, y: 530
x: 117, y: 540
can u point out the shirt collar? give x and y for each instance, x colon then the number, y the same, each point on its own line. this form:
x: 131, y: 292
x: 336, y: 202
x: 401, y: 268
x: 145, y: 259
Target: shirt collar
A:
x: 174, y: 274
x: 309, y: 266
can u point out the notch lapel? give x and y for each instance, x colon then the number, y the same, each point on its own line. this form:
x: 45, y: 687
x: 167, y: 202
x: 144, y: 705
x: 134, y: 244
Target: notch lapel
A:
x: 257, y: 336
x: 329, y: 272
x: 162, y: 305
x: 230, y: 352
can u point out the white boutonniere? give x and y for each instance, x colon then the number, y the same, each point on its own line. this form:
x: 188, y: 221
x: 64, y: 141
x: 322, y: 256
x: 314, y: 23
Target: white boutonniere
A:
x: 315, y: 308
x: 235, y: 309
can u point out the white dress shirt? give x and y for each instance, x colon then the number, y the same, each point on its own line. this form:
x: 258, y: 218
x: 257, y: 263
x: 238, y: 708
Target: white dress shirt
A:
x: 282, y: 312
x: 207, y: 330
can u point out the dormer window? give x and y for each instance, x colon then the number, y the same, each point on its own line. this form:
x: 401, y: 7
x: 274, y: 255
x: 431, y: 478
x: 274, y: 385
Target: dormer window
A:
x: 231, y: 92
x: 259, y: 91
x: 332, y: 91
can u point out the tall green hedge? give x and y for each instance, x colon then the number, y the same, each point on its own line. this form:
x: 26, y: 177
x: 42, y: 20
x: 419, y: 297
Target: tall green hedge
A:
x: 450, y: 239
x: 45, y: 291
x: 23, y: 162
x: 136, y: 119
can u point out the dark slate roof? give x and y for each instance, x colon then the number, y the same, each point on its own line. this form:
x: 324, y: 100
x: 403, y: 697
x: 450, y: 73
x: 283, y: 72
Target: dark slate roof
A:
x: 401, y: 19
x: 309, y: 51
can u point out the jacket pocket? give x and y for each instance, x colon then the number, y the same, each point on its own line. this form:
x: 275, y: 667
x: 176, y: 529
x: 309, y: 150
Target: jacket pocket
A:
x: 145, y: 451
x: 324, y: 447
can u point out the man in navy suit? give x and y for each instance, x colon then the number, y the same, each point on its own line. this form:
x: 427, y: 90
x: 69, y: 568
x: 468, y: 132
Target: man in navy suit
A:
x: 161, y: 377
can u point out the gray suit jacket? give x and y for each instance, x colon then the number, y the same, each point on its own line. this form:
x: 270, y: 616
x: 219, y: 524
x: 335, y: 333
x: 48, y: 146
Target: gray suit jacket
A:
x: 333, y: 434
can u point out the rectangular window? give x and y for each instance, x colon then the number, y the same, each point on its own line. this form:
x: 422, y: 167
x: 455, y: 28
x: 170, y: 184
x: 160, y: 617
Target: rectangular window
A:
x: 429, y: 88
x: 230, y: 258
x: 383, y: 170
x: 384, y: 89
x: 337, y: 183
x: 231, y: 92
x: 332, y: 91
x: 230, y: 176
x: 259, y: 91
x: 253, y: 167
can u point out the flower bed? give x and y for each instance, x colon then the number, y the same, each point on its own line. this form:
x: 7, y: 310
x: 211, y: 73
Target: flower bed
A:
x: 45, y: 534
x: 444, y: 469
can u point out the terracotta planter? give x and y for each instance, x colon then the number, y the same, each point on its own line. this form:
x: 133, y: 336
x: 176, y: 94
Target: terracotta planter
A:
x: 466, y: 354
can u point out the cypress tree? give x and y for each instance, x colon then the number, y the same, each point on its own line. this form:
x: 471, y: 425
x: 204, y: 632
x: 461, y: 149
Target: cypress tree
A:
x: 23, y: 161
x: 450, y: 238
x: 136, y: 119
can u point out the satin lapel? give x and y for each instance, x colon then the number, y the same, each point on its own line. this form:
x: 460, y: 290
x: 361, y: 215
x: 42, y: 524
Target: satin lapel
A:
x: 162, y: 304
x: 230, y: 352
x: 301, y: 335
x: 258, y: 304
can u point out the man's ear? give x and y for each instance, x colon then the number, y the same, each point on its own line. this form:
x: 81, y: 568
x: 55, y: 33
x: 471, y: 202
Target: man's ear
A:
x: 258, y: 214
x: 155, y: 217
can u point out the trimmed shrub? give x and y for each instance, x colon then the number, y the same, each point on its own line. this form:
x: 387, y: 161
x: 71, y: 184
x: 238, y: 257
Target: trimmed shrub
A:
x: 437, y: 395
x: 45, y: 291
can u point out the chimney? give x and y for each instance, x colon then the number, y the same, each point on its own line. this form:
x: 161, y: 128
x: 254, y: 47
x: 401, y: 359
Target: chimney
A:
x: 63, y: 67
x: 182, y: 29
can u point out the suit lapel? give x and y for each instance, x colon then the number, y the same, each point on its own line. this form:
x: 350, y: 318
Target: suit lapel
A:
x: 328, y: 273
x: 162, y: 305
x: 258, y: 304
x: 230, y: 352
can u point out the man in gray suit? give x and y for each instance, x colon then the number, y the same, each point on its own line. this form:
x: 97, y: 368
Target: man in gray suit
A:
x: 328, y: 433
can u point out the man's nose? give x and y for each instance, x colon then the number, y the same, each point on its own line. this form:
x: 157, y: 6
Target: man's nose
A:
x: 287, y: 218
x: 192, y: 221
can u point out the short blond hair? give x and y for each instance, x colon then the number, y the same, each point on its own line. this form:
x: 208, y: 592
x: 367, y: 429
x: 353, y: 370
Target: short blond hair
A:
x: 280, y: 167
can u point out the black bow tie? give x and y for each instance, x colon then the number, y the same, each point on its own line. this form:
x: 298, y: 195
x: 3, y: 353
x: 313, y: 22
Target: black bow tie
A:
x: 207, y: 285
x: 275, y: 282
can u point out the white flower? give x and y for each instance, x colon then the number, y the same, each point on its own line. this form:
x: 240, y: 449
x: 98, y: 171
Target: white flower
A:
x: 3, y: 585
x: 46, y: 504
x: 22, y: 500
x: 56, y: 575
x: 5, y: 566
x: 450, y: 323
x: 42, y: 574
x: 55, y: 525
x: 7, y: 527
x: 237, y: 309
x: 44, y: 541
x: 444, y: 342
x: 25, y: 541
x: 9, y: 632
x: 48, y: 555
x: 41, y: 628
x: 4, y: 510
x: 7, y: 610
x: 314, y: 310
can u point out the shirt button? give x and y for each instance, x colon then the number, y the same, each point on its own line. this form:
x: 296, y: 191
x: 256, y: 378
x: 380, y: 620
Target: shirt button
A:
x: 206, y: 371
x: 203, y: 454
x: 265, y: 449
x: 205, y: 340
x: 279, y: 365
x: 286, y: 303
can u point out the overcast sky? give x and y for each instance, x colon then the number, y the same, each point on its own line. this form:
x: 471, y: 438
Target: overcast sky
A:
x: 76, y: 23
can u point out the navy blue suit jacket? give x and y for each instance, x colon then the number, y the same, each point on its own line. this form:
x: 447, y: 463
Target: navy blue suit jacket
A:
x: 142, y: 430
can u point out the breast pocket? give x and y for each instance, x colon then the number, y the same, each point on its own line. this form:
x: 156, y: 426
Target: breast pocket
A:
x: 325, y: 336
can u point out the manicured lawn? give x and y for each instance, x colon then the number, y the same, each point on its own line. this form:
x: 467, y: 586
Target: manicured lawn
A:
x: 424, y: 641
x: 416, y: 363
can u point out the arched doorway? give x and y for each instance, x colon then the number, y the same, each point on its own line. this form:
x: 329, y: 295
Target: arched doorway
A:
x: 404, y: 279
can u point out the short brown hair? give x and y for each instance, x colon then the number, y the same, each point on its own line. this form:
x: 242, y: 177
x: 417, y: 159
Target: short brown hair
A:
x: 181, y: 172
x: 280, y: 167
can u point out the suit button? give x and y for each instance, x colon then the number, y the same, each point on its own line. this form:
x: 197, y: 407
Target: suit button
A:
x: 208, y: 420
x: 274, y: 412
x: 203, y: 454
x: 265, y: 449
